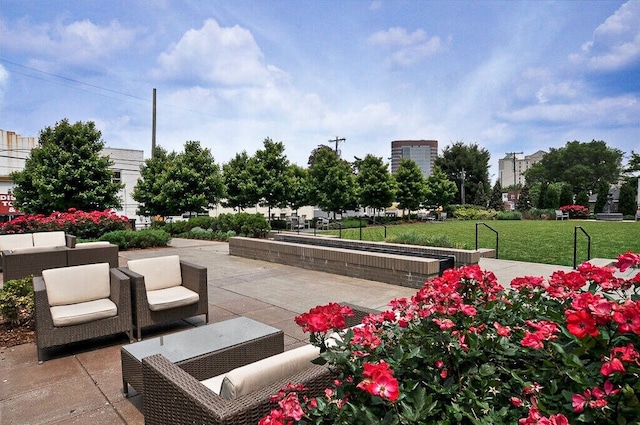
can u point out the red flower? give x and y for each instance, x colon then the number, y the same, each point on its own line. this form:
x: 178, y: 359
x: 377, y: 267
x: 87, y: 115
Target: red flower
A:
x: 581, y: 324
x: 627, y: 316
x: 379, y: 381
x: 628, y: 259
x: 611, y: 367
x: 324, y: 318
x: 504, y: 331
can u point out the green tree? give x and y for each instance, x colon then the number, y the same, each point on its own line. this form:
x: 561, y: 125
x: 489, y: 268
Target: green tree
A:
x: 470, y: 159
x: 566, y: 195
x: 411, y: 185
x: 332, y: 183
x: 627, y: 199
x: 440, y: 190
x: 524, y: 200
x: 376, y: 187
x: 480, y: 197
x: 495, y: 202
x: 551, y: 198
x: 541, y: 199
x: 269, y: 170
x: 200, y: 184
x: 172, y: 184
x: 582, y: 165
x: 149, y: 188
x: 241, y: 190
x: 298, y: 187
x: 603, y: 193
x: 66, y: 171
x: 582, y: 199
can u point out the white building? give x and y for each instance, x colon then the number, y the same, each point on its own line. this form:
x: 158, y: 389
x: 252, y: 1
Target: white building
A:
x: 511, y: 169
x: 15, y: 150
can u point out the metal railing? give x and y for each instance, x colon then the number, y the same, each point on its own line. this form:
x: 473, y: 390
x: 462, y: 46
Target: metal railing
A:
x: 490, y: 228
x: 575, y: 245
x: 373, y: 221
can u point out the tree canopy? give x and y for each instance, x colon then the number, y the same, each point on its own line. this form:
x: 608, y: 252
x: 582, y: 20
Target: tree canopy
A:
x: 376, y: 187
x: 332, y: 183
x: 582, y: 165
x: 241, y: 191
x: 66, y: 171
x: 172, y: 184
x: 411, y: 185
x: 439, y: 190
x: 470, y: 160
x: 269, y: 169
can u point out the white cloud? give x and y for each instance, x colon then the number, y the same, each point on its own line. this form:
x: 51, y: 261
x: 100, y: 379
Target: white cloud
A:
x: 213, y: 54
x: 408, y: 48
x: 615, y: 43
x: 608, y: 111
x: 78, y: 42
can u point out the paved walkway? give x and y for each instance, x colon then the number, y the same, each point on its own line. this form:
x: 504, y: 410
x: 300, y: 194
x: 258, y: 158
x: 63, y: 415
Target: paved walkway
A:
x: 81, y: 383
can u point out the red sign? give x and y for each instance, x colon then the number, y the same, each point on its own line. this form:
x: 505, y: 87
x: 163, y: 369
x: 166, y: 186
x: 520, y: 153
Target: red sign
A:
x: 6, y: 205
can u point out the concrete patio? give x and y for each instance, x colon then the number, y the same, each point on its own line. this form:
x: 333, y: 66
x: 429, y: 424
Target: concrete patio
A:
x: 82, y: 383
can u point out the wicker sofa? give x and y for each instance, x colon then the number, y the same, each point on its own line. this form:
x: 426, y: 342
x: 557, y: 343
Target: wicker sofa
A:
x: 23, y: 261
x: 173, y: 396
x: 79, y: 303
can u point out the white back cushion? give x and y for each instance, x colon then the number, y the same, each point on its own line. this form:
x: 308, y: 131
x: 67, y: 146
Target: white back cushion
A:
x: 247, y: 379
x: 159, y: 272
x: 49, y: 239
x: 20, y: 240
x: 77, y: 284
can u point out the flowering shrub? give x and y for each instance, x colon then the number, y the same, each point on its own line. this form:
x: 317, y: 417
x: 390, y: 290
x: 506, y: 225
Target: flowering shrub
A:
x: 84, y: 225
x: 464, y: 350
x: 575, y: 211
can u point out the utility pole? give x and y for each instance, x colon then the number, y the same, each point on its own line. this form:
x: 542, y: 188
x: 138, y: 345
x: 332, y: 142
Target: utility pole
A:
x: 153, y: 125
x: 513, y: 156
x: 338, y: 140
x: 463, y: 174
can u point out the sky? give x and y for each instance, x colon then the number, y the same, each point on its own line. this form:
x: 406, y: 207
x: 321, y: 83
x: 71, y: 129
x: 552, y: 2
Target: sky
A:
x: 509, y: 76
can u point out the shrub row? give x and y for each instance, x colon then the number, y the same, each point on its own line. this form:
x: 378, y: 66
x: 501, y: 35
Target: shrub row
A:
x: 127, y: 239
x: 414, y: 238
x: 253, y: 225
x: 83, y: 224
x: 16, y: 301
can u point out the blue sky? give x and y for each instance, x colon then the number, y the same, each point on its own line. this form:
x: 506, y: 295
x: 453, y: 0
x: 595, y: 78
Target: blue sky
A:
x: 507, y: 75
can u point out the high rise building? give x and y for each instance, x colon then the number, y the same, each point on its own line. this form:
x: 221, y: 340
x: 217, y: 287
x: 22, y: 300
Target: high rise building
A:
x: 422, y: 152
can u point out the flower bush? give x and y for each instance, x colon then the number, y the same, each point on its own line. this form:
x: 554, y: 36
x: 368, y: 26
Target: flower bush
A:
x: 84, y: 225
x: 464, y: 350
x: 575, y: 211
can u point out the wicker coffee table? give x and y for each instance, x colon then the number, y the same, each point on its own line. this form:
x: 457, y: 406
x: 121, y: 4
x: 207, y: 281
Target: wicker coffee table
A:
x: 232, y: 342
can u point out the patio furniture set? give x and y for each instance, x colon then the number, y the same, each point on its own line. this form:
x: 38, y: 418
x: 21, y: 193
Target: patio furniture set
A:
x: 221, y: 373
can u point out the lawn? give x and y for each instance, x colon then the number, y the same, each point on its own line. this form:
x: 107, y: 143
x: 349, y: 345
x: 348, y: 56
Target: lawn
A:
x: 538, y: 241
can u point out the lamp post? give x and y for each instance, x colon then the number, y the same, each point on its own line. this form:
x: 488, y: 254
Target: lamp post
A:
x: 462, y: 176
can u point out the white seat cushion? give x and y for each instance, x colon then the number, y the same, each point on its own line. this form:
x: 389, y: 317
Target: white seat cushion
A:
x: 74, y: 314
x: 247, y: 379
x: 175, y: 296
x: 77, y: 284
x: 92, y: 244
x: 159, y: 272
x: 30, y: 249
x: 21, y: 240
x: 49, y: 239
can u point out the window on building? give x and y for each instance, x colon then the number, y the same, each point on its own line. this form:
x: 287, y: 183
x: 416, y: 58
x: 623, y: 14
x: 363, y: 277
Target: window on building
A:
x: 117, y: 177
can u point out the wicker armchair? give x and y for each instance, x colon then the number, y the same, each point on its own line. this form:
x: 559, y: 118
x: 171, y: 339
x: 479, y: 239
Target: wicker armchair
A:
x: 192, y: 277
x: 50, y: 335
x: 173, y: 396
x: 93, y: 252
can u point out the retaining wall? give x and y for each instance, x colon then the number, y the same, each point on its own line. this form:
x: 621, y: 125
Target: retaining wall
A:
x: 395, y: 269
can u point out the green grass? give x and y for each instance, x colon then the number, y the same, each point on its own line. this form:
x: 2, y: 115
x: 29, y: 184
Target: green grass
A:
x: 536, y: 241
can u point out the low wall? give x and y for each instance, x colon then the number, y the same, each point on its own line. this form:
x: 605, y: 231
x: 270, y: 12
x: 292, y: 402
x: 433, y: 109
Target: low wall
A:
x: 382, y: 267
x: 463, y: 257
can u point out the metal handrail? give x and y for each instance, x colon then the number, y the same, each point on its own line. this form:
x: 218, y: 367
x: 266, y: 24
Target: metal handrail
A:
x: 575, y: 245
x: 490, y: 228
x: 372, y: 221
